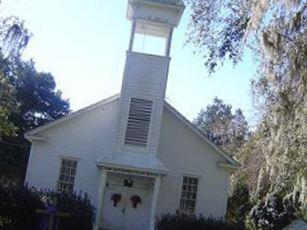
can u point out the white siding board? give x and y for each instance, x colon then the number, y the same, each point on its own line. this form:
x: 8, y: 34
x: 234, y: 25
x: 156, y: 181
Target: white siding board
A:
x: 85, y: 137
x: 91, y: 134
x: 183, y: 152
x: 145, y: 78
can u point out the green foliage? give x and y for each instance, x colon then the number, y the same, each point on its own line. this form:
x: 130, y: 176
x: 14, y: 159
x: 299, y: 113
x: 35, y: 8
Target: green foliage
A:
x: 238, y: 205
x: 183, y: 222
x: 19, y: 204
x: 217, y: 29
x: 14, y: 36
x: 220, y: 30
x: 274, y: 159
x: 7, y: 105
x: 273, y: 213
x: 38, y: 102
x: 18, y: 208
x: 79, y: 207
x: 226, y: 129
x: 28, y: 98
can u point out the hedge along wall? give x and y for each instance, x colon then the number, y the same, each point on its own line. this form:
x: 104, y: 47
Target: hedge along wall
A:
x: 19, y: 205
x: 184, y: 222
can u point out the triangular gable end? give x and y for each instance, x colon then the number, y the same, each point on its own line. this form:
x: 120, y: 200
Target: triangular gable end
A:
x: 192, y: 127
x: 70, y: 116
x: 30, y: 135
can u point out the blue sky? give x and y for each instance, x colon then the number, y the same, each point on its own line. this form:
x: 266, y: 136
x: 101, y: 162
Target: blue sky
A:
x: 83, y: 44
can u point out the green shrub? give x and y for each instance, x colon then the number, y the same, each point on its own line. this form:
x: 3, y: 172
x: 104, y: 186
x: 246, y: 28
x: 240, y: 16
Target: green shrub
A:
x: 273, y: 213
x: 19, y: 204
x: 78, y: 206
x: 183, y: 222
x: 18, y: 207
x: 238, y: 205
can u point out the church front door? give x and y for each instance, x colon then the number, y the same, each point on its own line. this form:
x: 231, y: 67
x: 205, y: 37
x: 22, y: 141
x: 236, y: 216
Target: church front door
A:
x: 126, y: 203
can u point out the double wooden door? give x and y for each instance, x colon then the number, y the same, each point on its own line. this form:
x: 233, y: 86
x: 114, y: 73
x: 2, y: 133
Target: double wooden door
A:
x: 126, y: 208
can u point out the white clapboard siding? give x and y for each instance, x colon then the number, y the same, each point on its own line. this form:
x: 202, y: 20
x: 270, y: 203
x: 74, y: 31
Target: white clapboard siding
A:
x: 145, y: 78
x: 90, y: 135
x: 84, y: 138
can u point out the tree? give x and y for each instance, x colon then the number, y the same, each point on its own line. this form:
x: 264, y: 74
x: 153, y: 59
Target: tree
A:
x: 277, y: 33
x: 7, y: 105
x: 220, y: 30
x: 13, y: 39
x: 230, y: 131
x: 226, y: 129
x: 38, y: 101
x: 34, y: 92
x: 14, y: 36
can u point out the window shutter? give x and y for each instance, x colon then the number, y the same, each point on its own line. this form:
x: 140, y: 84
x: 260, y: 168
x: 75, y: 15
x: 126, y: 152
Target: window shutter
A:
x: 138, y: 122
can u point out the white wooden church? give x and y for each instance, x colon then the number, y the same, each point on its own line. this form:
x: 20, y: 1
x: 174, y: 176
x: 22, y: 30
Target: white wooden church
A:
x: 133, y: 153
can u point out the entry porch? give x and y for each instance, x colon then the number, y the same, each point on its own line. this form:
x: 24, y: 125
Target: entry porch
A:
x: 127, y: 196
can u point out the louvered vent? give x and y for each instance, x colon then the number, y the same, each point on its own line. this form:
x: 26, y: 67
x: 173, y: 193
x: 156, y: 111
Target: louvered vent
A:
x: 138, y: 122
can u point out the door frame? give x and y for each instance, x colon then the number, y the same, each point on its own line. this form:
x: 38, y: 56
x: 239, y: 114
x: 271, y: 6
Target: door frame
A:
x: 105, y: 170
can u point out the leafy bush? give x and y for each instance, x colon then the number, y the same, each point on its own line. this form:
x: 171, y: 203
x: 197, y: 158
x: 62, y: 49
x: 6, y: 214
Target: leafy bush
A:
x: 78, y: 206
x: 183, y: 222
x: 238, y: 205
x: 19, y: 204
x: 274, y: 213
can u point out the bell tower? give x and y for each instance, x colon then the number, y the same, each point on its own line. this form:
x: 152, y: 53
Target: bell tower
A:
x: 145, y: 74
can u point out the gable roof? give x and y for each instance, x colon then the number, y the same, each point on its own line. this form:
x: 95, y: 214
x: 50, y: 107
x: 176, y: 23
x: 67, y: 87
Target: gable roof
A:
x: 30, y: 135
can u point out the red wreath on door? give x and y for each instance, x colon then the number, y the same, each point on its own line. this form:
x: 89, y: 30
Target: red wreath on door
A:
x: 135, y: 199
x: 116, y: 197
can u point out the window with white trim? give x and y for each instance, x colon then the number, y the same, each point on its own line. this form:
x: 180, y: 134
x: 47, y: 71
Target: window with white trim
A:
x: 138, y: 122
x: 188, y: 195
x: 67, y: 175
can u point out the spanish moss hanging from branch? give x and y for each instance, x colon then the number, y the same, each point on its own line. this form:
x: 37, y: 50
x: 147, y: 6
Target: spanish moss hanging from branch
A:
x: 14, y: 37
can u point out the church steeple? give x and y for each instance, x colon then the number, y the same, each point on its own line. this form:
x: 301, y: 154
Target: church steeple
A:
x: 145, y: 75
x: 155, y: 18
